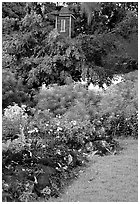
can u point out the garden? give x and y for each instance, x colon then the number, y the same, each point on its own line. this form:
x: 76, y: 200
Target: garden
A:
x: 49, y: 133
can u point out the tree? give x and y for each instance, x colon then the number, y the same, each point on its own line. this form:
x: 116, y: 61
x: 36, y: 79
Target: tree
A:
x: 61, y: 58
x: 13, y: 90
x: 24, y: 35
x: 28, y: 41
x: 106, y: 45
x: 100, y: 17
x: 13, y: 9
x: 36, y: 53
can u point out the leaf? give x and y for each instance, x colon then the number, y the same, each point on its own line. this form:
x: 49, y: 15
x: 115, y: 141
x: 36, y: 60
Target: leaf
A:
x: 6, y: 145
x: 68, y: 51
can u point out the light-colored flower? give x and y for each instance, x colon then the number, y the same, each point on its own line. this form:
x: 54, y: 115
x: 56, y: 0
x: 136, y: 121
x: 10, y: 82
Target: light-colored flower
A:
x: 70, y: 159
x: 46, y: 191
x: 104, y: 143
x: 58, y: 151
x: 74, y: 122
x: 58, y: 123
x: 65, y: 167
x: 23, y: 106
x: 36, y: 130
x: 31, y: 131
x: 59, y: 129
x: 57, y: 136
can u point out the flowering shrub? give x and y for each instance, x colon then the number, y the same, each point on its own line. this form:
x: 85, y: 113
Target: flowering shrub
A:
x: 15, y: 113
x: 53, y: 147
x: 118, y: 125
x: 13, y: 120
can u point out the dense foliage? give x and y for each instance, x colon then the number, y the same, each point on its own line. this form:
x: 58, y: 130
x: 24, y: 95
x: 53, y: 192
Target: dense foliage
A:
x: 51, y: 129
x: 101, y: 17
x: 44, y: 157
x: 43, y: 150
x: 119, y: 107
x: 36, y: 53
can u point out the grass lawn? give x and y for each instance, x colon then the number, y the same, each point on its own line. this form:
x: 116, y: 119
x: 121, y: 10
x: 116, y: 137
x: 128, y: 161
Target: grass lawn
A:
x: 107, y: 179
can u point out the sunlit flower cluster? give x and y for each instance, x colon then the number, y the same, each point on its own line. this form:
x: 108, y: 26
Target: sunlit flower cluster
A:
x: 46, y: 191
x: 15, y: 112
x: 73, y: 122
x: 35, y: 130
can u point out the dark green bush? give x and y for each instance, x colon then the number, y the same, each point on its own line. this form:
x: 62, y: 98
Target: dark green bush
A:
x: 13, y: 90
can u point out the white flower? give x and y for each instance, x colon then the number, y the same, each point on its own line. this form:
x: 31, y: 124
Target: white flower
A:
x: 36, y: 130
x: 23, y: 107
x: 58, y: 116
x: 58, y: 152
x: 74, y: 122
x: 58, y: 123
x: 15, y: 113
x: 65, y: 167
x: 59, y: 129
x: 57, y: 136
x: 31, y: 131
x: 70, y: 159
x: 46, y: 191
x: 104, y: 143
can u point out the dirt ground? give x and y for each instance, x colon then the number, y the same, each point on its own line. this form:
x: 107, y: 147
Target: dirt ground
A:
x: 107, y: 179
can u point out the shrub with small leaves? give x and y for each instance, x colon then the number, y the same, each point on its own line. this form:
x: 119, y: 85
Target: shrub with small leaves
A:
x: 13, y: 121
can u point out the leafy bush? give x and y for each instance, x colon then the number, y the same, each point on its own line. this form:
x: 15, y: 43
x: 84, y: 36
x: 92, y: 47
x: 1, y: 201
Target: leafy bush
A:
x: 119, y: 107
x: 13, y: 120
x: 9, y: 25
x: 13, y: 90
x: 59, y: 99
x: 49, y: 152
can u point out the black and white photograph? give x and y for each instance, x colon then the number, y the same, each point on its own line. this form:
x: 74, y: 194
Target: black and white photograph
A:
x: 69, y: 101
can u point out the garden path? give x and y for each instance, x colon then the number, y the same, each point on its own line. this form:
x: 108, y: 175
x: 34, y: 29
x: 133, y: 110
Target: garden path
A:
x: 107, y: 179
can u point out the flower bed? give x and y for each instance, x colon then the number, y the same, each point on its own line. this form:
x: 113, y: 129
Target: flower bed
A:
x: 42, y: 152
x: 38, y: 163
